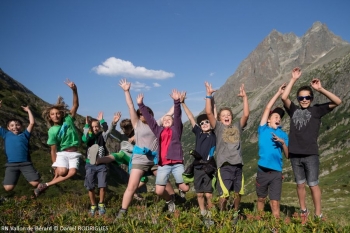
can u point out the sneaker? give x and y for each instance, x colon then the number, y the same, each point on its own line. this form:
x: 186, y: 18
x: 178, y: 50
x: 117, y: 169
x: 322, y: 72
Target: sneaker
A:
x: 121, y: 214
x: 318, y: 218
x: 101, y: 208
x: 207, y: 218
x: 40, y: 189
x: 92, y: 154
x: 235, y: 217
x: 92, y: 210
x: 171, y: 206
x: 303, y: 215
x: 182, y: 194
x: 138, y: 197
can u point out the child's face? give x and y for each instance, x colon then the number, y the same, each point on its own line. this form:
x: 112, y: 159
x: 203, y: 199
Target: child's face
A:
x: 274, y: 120
x: 95, y: 126
x: 167, y: 121
x: 55, y: 116
x: 205, y: 125
x: 302, y: 98
x: 226, y: 117
x: 15, y: 127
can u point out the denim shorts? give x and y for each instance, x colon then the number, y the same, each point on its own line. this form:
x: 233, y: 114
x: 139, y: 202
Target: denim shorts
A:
x: 305, y: 168
x: 163, y: 173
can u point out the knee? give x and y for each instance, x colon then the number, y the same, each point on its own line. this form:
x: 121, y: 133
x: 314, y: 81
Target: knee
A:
x: 9, y: 187
x: 184, y: 187
x: 61, y: 171
x: 200, y: 195
x: 261, y: 199
x: 208, y: 195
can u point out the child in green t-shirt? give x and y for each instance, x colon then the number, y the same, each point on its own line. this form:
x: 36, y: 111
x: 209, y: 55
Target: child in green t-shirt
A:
x: 63, y: 139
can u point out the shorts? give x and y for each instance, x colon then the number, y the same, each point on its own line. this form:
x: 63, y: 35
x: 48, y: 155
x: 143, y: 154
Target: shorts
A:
x: 305, y: 169
x: 202, y: 182
x: 67, y: 159
x: 229, y: 179
x: 13, y: 170
x: 269, y: 182
x: 163, y: 173
x: 146, y: 168
x: 95, y: 171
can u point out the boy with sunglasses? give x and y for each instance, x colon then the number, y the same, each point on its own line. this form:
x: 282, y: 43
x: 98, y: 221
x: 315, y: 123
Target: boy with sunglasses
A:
x: 204, y: 170
x: 304, y: 129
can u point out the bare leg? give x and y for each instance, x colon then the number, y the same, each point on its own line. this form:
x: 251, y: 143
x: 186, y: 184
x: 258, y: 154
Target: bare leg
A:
x: 201, y: 201
x: 301, y: 195
x: 261, y: 203
x: 134, y: 180
x: 275, y: 207
x: 59, y: 177
x: 102, y: 194
x: 237, y: 201
x: 316, y: 197
x: 209, y: 196
x: 92, y: 197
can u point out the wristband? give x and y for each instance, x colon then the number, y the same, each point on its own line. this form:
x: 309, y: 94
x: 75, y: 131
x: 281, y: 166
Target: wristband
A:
x: 208, y: 96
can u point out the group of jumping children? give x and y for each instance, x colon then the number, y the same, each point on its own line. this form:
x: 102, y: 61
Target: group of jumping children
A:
x: 151, y: 147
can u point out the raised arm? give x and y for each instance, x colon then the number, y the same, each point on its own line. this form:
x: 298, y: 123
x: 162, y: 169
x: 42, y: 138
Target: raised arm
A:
x: 269, y: 105
x: 296, y: 73
x: 335, y: 100
x: 175, y: 95
x: 208, y: 104
x: 126, y: 87
x: 148, y: 117
x: 245, y: 114
x: 31, y: 118
x: 85, y: 137
x: 186, y: 109
x: 74, y: 109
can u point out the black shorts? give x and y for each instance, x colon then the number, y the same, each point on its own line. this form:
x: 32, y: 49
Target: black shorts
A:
x: 269, y: 182
x: 229, y: 179
x: 202, y: 182
x: 13, y: 170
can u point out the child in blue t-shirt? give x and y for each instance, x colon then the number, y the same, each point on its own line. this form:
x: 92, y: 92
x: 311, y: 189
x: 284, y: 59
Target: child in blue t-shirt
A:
x: 272, y: 141
x: 18, y: 159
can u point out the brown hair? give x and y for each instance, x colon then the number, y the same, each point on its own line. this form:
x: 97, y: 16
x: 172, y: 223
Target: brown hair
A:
x: 126, y: 127
x: 60, y: 105
x: 223, y: 109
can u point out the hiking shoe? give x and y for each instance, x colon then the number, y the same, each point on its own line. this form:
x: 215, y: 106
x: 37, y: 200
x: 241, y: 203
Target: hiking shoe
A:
x: 318, y: 218
x: 40, y: 189
x: 235, y: 217
x: 92, y: 210
x: 171, y: 206
x: 101, y: 209
x: 207, y: 218
x: 182, y: 194
x: 303, y: 215
x: 121, y: 214
x: 138, y: 197
x: 92, y: 154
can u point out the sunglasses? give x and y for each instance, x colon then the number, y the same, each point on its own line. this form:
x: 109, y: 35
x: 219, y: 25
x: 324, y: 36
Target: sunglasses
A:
x: 301, y: 98
x: 204, y: 122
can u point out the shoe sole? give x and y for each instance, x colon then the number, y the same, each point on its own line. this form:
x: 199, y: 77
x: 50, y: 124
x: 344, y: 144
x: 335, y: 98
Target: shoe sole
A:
x: 92, y: 154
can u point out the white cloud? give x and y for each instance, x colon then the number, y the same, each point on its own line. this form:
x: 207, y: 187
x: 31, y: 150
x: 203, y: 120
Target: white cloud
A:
x: 117, y: 67
x: 156, y: 85
x: 137, y: 86
x: 211, y: 74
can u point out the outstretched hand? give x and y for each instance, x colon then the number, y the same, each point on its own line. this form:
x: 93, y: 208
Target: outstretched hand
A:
x: 175, y: 94
x: 282, y: 88
x: 209, y: 88
x: 316, y: 84
x: 140, y: 98
x: 296, y: 73
x: 117, y: 117
x: 25, y: 108
x: 124, y: 85
x: 70, y: 84
x: 242, y: 91
x: 100, y: 116
x: 182, y: 96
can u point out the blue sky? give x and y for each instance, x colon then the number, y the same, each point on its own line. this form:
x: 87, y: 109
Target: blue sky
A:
x: 156, y: 45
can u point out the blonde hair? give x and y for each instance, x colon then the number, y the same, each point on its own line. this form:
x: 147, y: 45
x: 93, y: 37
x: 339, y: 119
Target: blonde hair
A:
x: 60, y: 105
